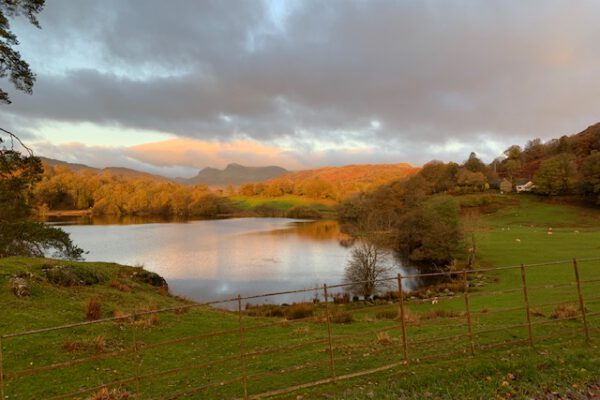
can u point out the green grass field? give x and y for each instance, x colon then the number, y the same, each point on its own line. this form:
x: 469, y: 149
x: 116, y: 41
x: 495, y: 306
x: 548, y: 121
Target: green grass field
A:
x: 281, y: 352
x: 282, y: 203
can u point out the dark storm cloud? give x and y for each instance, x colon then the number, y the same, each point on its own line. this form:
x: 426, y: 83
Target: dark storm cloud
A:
x: 429, y: 72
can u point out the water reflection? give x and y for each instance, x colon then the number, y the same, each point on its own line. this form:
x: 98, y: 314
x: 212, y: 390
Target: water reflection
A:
x: 213, y: 259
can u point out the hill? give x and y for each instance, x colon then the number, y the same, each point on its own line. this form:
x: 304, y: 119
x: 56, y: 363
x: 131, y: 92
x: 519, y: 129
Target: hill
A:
x: 234, y: 174
x: 120, y: 172
x: 334, y: 183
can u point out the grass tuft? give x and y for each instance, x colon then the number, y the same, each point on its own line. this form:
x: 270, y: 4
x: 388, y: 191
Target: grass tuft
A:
x: 564, y: 311
x: 92, y: 309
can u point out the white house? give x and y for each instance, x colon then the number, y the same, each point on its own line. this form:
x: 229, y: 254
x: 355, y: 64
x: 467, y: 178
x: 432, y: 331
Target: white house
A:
x: 526, y: 187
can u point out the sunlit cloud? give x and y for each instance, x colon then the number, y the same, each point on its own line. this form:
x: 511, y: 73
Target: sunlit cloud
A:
x: 202, y: 153
x: 306, y: 84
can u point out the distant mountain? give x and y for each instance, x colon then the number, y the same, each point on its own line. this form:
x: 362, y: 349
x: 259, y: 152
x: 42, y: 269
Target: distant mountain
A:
x: 114, y: 171
x: 234, y: 174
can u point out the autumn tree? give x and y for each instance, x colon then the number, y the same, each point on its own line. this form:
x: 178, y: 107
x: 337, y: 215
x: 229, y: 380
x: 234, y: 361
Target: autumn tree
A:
x: 470, y: 181
x: 556, y: 175
x: 18, y: 235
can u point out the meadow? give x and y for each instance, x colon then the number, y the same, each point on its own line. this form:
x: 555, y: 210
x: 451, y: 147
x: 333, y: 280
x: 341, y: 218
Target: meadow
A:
x: 193, y: 351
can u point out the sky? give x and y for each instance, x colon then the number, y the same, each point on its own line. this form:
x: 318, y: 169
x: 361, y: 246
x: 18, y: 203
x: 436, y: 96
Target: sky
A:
x: 170, y: 87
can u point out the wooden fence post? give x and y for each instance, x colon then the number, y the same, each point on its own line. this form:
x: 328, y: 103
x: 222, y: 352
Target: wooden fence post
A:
x: 581, y: 303
x: 242, y: 349
x: 468, y: 311
x: 402, y: 318
x: 527, y: 309
x: 1, y: 372
x: 331, y: 361
x: 136, y: 353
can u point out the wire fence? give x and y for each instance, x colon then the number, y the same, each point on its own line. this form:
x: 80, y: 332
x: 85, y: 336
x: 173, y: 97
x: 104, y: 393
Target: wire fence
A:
x: 251, y: 350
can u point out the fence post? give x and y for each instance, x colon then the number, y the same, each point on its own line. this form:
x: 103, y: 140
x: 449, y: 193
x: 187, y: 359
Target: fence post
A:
x: 1, y: 372
x: 581, y: 303
x: 527, y: 309
x: 242, y: 349
x: 402, y: 318
x: 468, y: 310
x: 136, y: 353
x: 331, y: 361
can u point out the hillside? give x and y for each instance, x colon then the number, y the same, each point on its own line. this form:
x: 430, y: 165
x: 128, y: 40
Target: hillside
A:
x: 121, y: 172
x: 334, y: 183
x: 233, y: 174
x: 356, y: 173
x: 525, y: 162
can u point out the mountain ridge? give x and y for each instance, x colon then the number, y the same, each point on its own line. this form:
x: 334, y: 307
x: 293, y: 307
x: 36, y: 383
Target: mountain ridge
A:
x: 234, y: 174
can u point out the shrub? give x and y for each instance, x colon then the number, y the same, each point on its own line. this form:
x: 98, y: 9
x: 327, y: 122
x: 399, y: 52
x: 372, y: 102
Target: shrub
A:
x: 92, y: 309
x: 71, y: 275
x: 150, y: 278
x: 299, y: 311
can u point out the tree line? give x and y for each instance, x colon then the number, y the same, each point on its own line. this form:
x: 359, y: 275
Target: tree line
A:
x: 569, y: 165
x: 62, y: 188
x: 332, y: 183
x: 417, y: 218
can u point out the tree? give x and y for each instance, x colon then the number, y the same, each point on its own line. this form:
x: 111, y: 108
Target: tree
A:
x: 19, y: 236
x: 556, y: 175
x: 514, y: 152
x: 11, y: 63
x: 474, y: 164
x: 368, y: 265
x: 430, y: 235
x: 591, y: 176
x: 534, y: 150
x: 470, y: 181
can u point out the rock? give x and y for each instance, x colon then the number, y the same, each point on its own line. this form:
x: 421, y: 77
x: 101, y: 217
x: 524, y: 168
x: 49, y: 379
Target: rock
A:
x: 20, y: 287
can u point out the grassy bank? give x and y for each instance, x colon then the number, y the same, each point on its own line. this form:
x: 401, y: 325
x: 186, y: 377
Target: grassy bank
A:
x: 291, y: 346
x: 283, y: 203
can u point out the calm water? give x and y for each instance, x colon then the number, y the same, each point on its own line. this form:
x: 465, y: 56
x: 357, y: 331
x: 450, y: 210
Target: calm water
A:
x: 206, y: 260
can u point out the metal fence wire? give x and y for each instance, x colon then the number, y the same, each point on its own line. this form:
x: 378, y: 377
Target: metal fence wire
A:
x: 241, y: 354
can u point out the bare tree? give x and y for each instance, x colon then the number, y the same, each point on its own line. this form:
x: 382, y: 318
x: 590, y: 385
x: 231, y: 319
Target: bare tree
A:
x: 367, y: 266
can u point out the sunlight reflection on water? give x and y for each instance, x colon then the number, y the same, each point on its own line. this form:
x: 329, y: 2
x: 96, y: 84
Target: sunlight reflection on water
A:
x: 215, y: 259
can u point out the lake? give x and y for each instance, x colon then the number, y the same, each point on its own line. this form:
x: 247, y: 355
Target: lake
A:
x: 215, y: 259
